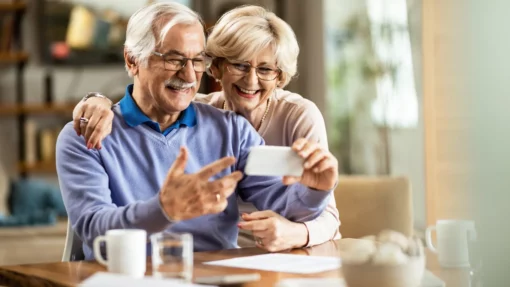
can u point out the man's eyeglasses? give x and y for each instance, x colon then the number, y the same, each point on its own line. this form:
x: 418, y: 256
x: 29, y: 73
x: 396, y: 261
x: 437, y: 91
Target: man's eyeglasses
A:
x: 243, y: 68
x: 172, y: 62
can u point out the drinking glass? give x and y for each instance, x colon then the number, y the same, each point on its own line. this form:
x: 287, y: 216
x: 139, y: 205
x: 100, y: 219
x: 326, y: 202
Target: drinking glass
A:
x: 172, y: 255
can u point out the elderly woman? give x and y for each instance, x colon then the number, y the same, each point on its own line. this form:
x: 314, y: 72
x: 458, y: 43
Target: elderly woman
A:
x: 254, y: 57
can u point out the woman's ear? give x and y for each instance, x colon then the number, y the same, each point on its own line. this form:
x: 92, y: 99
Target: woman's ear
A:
x: 280, y: 81
x: 216, y: 71
x: 131, y: 64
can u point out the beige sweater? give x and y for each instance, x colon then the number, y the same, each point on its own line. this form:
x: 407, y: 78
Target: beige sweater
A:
x: 291, y: 117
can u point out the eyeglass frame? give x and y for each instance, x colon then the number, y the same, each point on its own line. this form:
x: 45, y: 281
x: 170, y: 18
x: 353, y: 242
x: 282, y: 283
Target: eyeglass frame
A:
x: 184, y: 61
x: 229, y: 62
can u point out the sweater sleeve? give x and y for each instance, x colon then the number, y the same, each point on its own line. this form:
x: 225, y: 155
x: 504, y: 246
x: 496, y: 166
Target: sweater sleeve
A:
x: 88, y: 198
x: 295, y: 202
x: 307, y: 122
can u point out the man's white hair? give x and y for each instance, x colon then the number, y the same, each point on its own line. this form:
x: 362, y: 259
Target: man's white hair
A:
x: 141, y: 31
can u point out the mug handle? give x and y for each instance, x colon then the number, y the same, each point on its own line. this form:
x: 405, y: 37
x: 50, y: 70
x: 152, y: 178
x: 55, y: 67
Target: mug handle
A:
x: 97, y: 249
x: 428, y: 238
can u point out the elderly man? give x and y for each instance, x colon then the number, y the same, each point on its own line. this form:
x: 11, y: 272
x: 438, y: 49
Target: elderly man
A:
x: 144, y: 177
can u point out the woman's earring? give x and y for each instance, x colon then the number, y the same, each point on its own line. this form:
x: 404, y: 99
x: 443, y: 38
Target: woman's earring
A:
x: 217, y: 80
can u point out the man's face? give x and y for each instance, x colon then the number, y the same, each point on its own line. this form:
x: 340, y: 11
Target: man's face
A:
x: 172, y: 91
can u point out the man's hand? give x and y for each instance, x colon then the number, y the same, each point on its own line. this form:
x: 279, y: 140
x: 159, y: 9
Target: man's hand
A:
x: 97, y: 111
x: 185, y: 196
x: 274, y: 232
x: 320, y: 166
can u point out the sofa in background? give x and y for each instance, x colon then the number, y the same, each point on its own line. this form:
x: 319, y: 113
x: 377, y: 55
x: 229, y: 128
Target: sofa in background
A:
x: 33, y: 222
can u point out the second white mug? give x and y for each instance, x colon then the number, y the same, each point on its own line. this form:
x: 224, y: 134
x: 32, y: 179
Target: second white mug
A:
x: 453, y: 238
x: 126, y: 251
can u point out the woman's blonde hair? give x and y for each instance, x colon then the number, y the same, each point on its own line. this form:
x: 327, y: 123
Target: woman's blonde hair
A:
x: 243, y: 32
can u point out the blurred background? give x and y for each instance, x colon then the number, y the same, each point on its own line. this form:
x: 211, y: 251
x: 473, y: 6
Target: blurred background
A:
x: 390, y: 77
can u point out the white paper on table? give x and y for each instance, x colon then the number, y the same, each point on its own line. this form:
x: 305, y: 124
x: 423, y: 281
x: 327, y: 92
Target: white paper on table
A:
x: 311, y: 282
x: 287, y: 263
x: 101, y: 279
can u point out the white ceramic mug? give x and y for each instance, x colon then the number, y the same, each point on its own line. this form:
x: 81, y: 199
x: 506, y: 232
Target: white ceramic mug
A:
x: 452, y: 241
x: 125, y: 250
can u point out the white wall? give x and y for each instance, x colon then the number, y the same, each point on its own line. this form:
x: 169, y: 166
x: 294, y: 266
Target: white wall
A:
x: 484, y: 49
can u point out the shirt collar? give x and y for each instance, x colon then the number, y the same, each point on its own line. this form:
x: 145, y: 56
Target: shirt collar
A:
x: 133, y: 116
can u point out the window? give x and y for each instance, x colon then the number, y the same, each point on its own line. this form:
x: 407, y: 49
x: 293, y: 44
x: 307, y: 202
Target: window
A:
x: 396, y: 104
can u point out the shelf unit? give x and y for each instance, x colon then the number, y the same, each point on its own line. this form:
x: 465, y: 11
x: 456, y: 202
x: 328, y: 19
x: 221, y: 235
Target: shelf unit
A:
x: 36, y: 109
x: 20, y: 110
x: 15, y: 6
x: 25, y: 110
x: 16, y: 56
x: 38, y: 167
x: 13, y: 58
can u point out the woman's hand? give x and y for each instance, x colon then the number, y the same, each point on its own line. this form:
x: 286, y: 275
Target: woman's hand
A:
x: 274, y: 232
x: 320, y: 166
x: 93, y: 120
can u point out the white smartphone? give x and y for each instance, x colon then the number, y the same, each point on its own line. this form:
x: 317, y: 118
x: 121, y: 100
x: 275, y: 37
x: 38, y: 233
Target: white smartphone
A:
x: 273, y: 161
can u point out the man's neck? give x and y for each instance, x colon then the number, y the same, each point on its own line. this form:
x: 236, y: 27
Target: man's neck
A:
x: 152, y: 111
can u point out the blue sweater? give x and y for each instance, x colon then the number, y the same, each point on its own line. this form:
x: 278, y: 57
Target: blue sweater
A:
x: 117, y: 187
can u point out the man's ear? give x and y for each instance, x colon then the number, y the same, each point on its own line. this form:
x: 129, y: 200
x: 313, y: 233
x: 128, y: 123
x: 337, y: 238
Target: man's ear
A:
x: 131, y: 64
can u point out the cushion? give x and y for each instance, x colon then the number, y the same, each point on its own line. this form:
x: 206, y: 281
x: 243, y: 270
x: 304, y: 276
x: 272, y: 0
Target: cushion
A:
x: 33, y: 202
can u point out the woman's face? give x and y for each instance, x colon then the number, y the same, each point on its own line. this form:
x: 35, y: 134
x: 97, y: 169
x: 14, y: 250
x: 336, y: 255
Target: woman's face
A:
x: 241, y: 83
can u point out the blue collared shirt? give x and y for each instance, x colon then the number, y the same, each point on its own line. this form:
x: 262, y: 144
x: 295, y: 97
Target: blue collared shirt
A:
x: 134, y: 116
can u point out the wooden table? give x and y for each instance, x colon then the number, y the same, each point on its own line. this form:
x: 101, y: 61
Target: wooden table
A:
x: 72, y: 273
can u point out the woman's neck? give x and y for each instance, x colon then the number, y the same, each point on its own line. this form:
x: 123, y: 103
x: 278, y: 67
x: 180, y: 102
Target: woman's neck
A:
x: 256, y: 116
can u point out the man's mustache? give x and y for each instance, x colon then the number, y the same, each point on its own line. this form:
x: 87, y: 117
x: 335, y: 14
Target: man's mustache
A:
x: 177, y: 83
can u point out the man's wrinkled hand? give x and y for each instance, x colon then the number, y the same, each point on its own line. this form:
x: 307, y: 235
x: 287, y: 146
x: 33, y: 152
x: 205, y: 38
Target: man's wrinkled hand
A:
x: 185, y: 196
